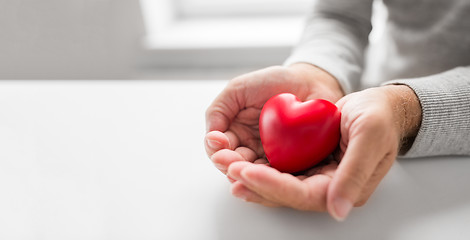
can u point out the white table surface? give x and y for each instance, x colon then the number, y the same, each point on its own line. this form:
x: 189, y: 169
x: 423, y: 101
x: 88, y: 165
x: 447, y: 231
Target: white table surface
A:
x: 125, y: 160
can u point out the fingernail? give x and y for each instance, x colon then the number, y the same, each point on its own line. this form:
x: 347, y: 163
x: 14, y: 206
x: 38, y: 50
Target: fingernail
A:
x: 220, y: 167
x: 214, y: 144
x: 341, y: 209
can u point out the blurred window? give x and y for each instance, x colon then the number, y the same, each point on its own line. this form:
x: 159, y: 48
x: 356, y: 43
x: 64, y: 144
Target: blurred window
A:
x: 240, y: 8
x: 221, y: 33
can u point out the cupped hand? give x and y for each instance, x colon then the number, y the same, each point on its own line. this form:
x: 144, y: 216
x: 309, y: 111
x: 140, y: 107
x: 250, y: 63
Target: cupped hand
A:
x: 232, y: 118
x: 373, y: 126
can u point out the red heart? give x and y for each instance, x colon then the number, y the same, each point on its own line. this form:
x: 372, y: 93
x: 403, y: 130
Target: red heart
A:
x: 298, y: 135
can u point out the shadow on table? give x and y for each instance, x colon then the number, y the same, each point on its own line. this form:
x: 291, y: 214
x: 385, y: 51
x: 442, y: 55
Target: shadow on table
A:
x: 414, y: 190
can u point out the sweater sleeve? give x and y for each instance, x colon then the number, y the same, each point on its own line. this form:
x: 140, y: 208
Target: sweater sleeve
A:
x: 445, y: 104
x: 334, y: 39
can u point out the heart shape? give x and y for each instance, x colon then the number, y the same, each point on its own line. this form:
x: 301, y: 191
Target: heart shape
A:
x: 298, y: 135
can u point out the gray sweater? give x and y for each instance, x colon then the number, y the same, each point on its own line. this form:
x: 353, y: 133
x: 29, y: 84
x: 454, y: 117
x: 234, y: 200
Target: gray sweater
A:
x: 425, y: 44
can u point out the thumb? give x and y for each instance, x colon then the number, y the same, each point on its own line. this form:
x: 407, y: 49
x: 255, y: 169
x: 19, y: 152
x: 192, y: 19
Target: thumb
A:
x: 351, y: 177
x: 222, y: 111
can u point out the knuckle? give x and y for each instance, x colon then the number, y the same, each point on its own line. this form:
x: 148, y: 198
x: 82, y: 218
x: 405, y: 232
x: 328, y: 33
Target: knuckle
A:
x: 308, y: 205
x: 211, y: 111
x: 308, y: 202
x: 368, y: 122
x: 237, y: 80
x: 373, y: 120
x: 303, y: 204
x: 279, y: 72
x: 357, y: 179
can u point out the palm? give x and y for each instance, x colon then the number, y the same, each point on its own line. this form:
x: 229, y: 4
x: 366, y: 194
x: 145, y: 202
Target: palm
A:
x: 245, y: 127
x: 256, y: 89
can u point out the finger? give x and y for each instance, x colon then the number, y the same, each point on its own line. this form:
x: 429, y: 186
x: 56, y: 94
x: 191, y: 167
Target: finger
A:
x: 231, y: 180
x: 382, y: 168
x: 340, y: 103
x: 216, y: 140
x: 223, y: 109
x: 248, y: 154
x: 261, y: 161
x: 317, y: 181
x: 355, y: 169
x: 217, y: 120
x: 234, y: 170
x: 330, y: 169
x: 317, y: 186
x: 233, y: 140
x: 281, y: 188
x: 224, y: 158
x: 240, y: 191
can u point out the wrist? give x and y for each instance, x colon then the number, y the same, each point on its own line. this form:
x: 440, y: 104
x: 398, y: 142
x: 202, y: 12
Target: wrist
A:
x: 319, y: 79
x: 407, y: 112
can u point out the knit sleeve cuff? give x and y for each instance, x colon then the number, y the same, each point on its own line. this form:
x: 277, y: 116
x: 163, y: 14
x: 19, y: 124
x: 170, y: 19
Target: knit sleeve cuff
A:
x: 445, y: 104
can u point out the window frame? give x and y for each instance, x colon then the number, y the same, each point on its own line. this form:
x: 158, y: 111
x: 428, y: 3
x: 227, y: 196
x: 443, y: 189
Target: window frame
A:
x: 168, y: 42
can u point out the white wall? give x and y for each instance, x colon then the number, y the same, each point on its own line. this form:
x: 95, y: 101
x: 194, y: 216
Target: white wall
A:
x: 68, y: 39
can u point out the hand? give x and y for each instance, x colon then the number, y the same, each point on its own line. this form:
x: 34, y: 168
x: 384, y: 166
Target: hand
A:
x: 373, y: 125
x: 232, y: 119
